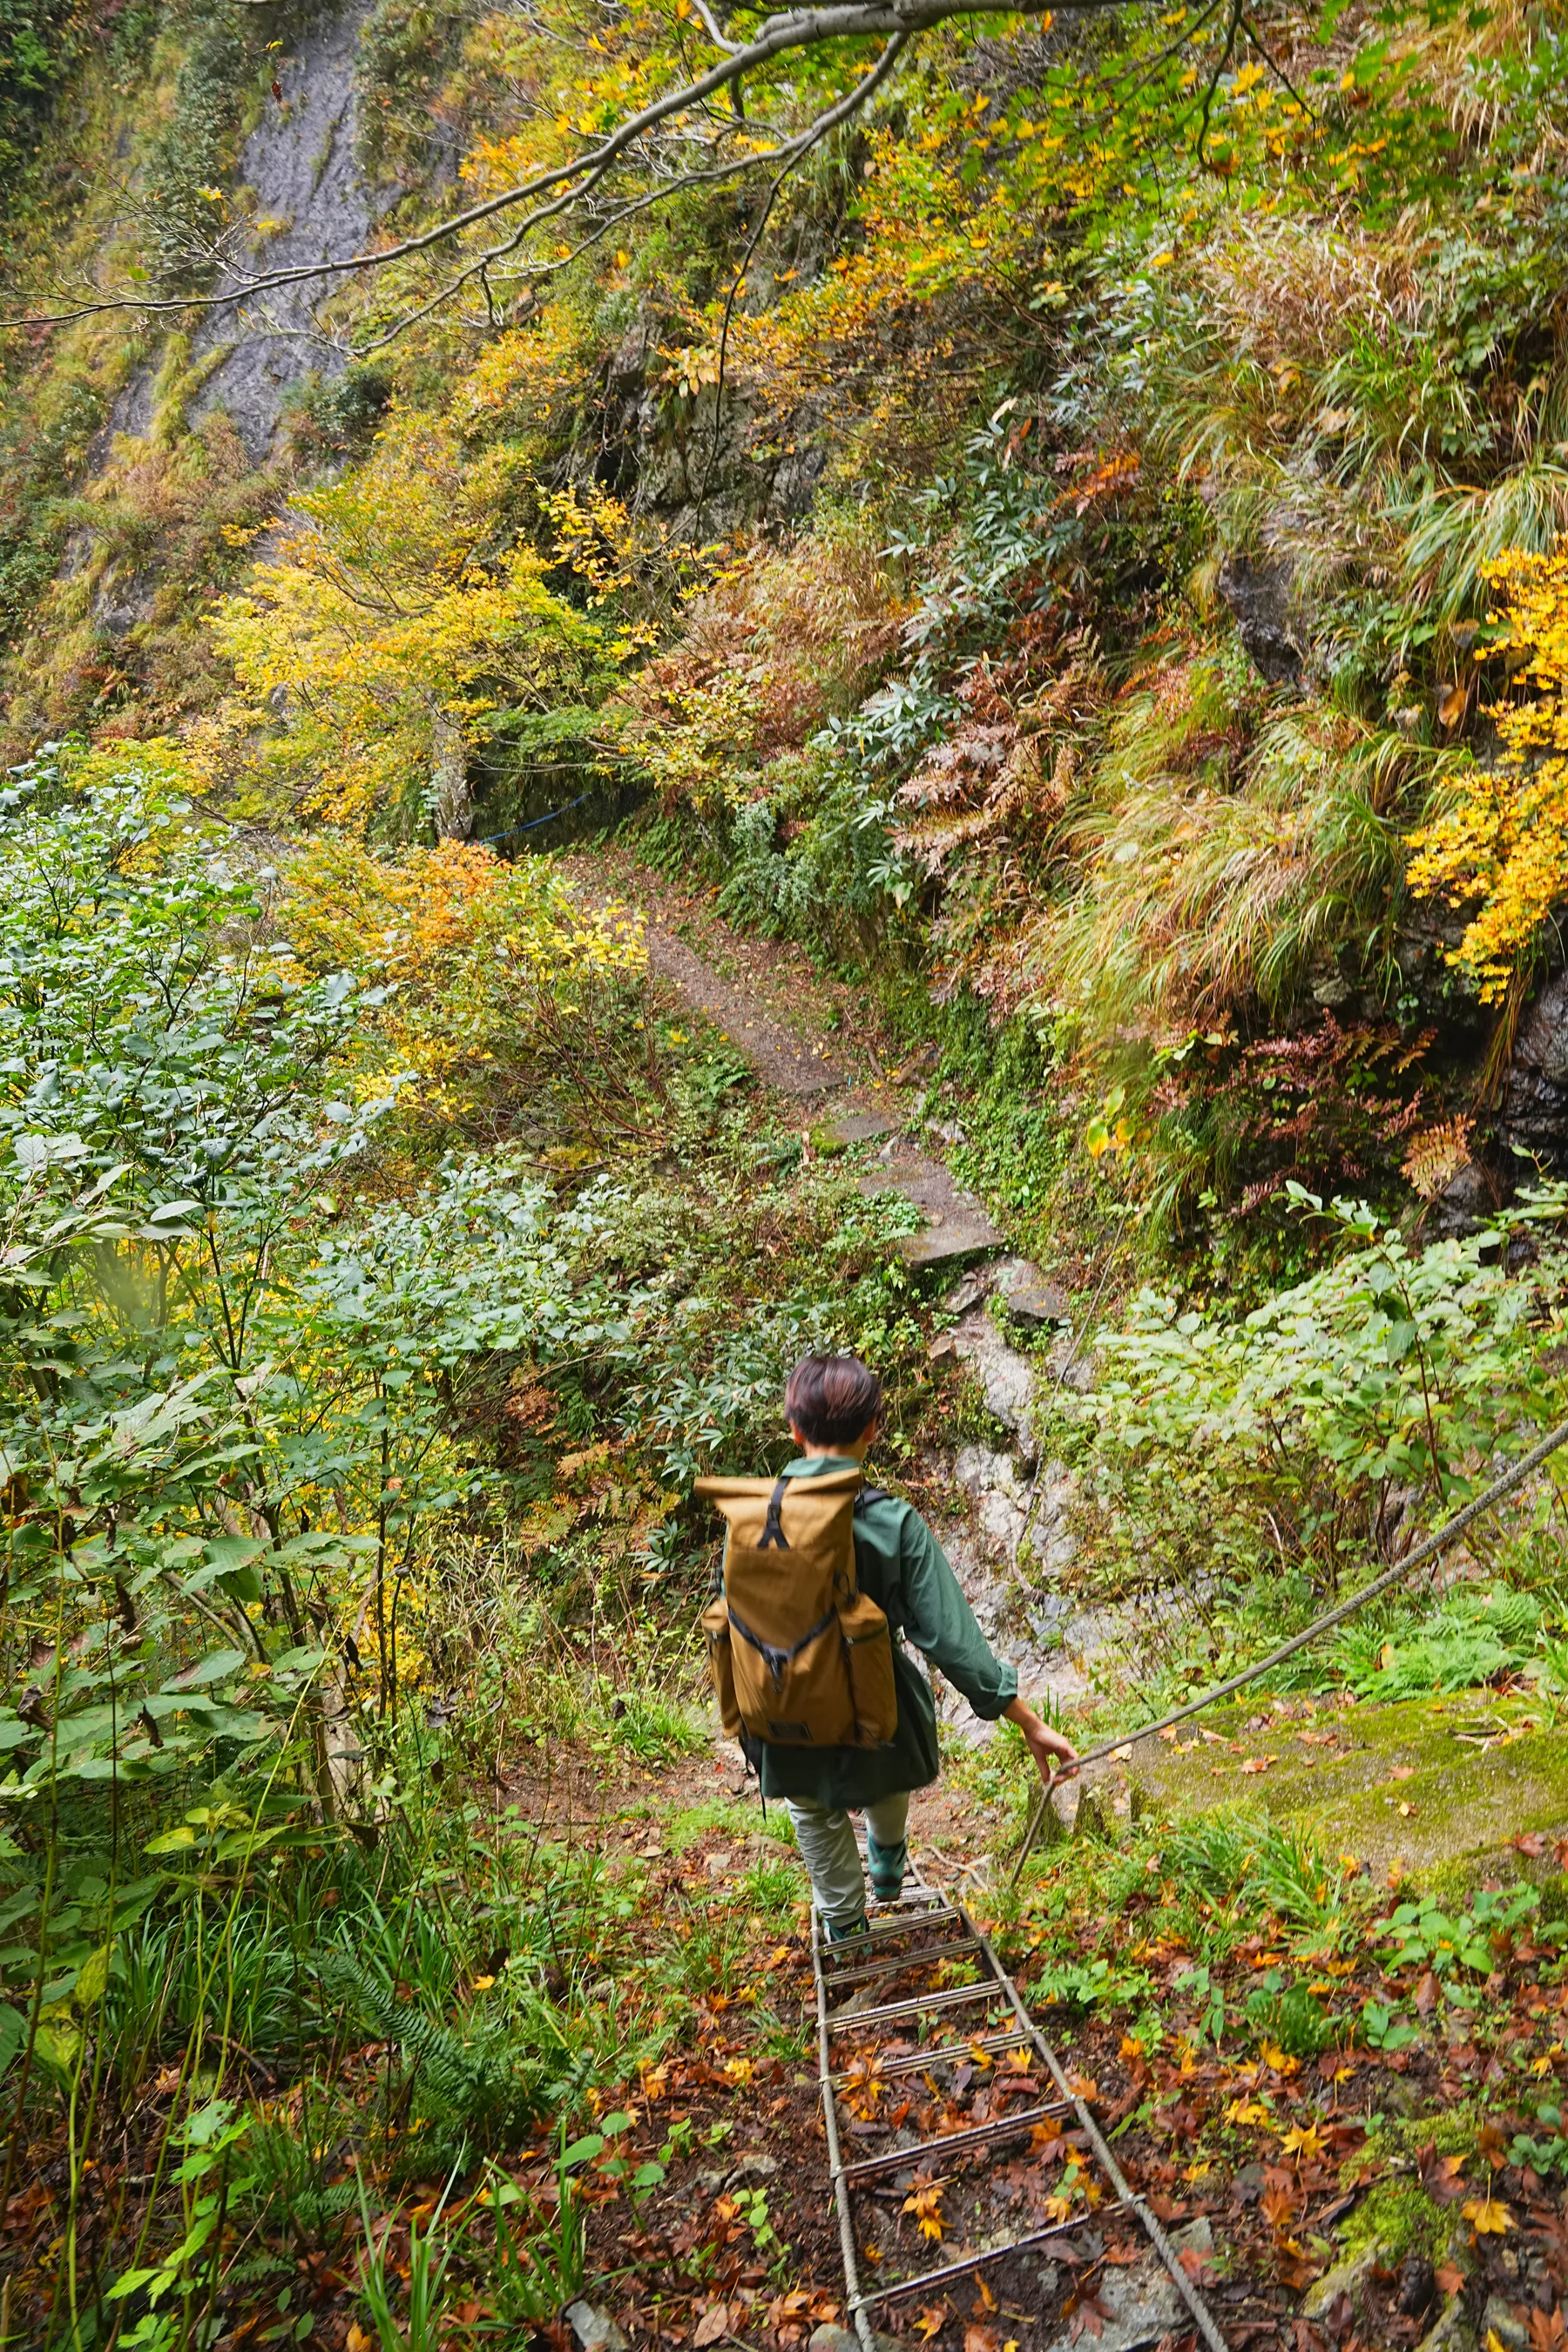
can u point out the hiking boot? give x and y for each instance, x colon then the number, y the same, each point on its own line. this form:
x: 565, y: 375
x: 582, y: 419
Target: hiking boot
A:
x: 887, y: 1864
x: 845, y: 1931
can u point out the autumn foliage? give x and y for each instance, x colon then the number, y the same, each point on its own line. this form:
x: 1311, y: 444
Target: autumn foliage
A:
x: 1504, y: 842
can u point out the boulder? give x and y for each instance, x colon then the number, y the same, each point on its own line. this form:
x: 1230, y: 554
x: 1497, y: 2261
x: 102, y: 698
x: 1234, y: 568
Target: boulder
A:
x: 1453, y: 2332
x: 1257, y: 588
x: 1349, y: 2277
x: 1027, y: 1295
x: 828, y: 2339
x: 1533, y: 1116
x: 1143, y: 2301
x: 593, y: 2328
x: 1500, y: 2319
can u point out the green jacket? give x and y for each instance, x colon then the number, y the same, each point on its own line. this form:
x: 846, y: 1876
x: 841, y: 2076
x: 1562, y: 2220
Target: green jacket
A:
x: 904, y: 1569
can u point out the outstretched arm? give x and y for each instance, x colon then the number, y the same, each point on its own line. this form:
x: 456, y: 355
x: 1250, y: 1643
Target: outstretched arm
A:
x: 1055, y: 1754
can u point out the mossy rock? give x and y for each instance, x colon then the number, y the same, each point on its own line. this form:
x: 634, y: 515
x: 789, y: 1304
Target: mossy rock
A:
x: 1455, y: 2132
x: 1399, y: 2217
x: 1452, y: 1810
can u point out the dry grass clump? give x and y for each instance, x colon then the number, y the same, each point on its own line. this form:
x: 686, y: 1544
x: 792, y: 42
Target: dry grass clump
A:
x: 1225, y: 855
x: 1287, y: 292
x: 784, y: 639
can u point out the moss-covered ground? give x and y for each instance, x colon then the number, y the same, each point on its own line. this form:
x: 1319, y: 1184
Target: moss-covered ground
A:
x: 1438, y: 1784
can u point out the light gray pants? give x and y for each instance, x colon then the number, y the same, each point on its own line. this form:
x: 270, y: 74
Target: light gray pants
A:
x: 827, y: 1848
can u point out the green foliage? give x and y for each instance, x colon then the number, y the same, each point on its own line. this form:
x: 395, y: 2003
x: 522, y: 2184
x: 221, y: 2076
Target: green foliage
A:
x: 38, y: 42
x: 1240, y: 1856
x: 191, y: 154
x: 1290, y: 2018
x: 1387, y: 1371
x: 422, y: 2324
x: 1548, y: 2152
x: 541, y: 2257
x: 1473, y: 1638
x: 1422, y: 1936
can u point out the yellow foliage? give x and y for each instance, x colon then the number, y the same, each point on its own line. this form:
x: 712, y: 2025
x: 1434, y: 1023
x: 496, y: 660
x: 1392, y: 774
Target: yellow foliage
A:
x: 471, y: 948
x: 782, y: 638
x: 369, y: 652
x: 1504, y: 841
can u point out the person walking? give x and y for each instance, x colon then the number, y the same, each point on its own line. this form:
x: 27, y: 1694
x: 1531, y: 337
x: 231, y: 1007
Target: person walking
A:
x: 833, y: 1405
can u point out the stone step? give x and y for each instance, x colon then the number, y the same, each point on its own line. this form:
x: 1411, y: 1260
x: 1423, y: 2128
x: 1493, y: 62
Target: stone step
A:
x: 956, y: 1226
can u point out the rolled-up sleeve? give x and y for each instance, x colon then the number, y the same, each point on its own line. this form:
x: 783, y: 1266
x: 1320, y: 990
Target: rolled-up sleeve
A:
x: 940, y: 1623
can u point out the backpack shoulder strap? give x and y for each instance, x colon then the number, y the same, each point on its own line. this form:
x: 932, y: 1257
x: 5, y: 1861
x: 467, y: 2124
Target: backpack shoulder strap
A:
x: 870, y: 1494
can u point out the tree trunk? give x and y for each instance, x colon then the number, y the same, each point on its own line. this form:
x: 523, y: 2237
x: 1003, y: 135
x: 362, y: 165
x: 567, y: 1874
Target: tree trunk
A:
x: 451, y: 801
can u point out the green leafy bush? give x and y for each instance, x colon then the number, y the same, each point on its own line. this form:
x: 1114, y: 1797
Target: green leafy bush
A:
x: 1305, y: 1433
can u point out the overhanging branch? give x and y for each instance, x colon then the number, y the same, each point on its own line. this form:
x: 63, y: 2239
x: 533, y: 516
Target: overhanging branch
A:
x: 566, y: 184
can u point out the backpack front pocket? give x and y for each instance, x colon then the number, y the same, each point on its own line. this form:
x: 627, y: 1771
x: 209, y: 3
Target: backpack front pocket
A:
x: 793, y: 1694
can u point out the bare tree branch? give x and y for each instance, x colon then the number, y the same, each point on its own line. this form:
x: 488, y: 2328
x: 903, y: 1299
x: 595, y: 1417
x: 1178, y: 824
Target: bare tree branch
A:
x: 819, y: 131
x: 566, y: 184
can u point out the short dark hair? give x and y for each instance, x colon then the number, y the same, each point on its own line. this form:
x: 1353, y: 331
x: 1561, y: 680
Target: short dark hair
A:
x: 832, y: 1399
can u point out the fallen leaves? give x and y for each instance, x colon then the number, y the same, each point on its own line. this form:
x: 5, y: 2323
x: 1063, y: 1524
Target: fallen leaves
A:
x: 1488, y: 2216
x: 925, y: 2204
x: 1440, y: 2176
x: 1259, y: 1763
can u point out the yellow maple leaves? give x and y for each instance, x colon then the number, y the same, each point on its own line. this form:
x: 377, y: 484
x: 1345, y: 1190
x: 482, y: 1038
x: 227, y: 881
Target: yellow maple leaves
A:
x: 470, y: 947
x: 1247, y: 2111
x: 925, y: 2204
x: 389, y: 625
x: 1503, y: 841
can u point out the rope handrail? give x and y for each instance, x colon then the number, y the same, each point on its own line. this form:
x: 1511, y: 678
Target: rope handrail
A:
x: 1428, y: 1550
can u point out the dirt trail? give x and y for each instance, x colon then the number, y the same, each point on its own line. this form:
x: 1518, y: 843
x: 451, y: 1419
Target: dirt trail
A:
x: 814, y: 1039
x: 819, y: 1042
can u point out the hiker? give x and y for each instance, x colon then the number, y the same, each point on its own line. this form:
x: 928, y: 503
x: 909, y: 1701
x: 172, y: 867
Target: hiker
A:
x: 804, y: 1647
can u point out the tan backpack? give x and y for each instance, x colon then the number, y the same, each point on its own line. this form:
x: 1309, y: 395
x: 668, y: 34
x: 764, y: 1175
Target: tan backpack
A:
x: 799, y: 1656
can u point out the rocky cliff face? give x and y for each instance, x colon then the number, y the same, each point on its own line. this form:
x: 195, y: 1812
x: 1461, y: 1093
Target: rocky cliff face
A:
x: 298, y: 164
x: 1534, y: 1120
x: 310, y: 203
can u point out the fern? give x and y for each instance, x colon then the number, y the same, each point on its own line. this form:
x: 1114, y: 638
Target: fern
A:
x: 464, y: 2093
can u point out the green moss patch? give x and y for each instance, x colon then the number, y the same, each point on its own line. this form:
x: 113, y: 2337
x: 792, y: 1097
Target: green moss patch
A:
x: 1424, y: 1784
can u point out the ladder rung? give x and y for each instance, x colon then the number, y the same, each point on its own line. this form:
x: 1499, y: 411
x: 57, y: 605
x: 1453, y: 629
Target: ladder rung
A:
x: 894, y: 1963
x: 940, y: 2148
x: 923, y: 2280
x: 953, y: 1996
x: 937, y: 2053
x: 880, y: 1928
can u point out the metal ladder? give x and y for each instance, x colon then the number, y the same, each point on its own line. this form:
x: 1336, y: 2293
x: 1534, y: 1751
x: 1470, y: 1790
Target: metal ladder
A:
x: 925, y: 1933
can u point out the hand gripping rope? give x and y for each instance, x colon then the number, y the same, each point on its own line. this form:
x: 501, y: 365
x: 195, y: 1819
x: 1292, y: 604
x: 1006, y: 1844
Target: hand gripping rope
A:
x: 1430, y: 1550
x: 931, y: 1942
